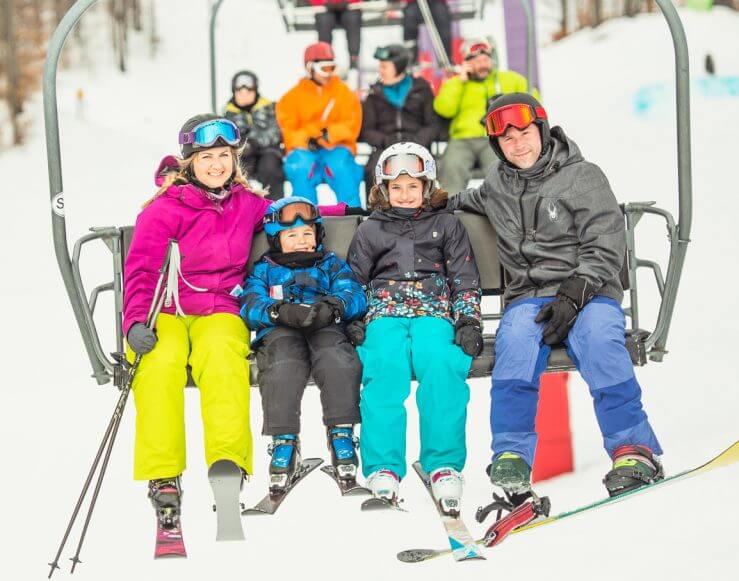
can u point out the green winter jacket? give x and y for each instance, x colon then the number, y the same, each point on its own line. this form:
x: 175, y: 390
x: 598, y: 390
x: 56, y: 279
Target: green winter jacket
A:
x: 465, y: 102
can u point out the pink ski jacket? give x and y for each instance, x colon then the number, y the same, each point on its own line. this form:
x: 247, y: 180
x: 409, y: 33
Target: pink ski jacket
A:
x: 214, y: 239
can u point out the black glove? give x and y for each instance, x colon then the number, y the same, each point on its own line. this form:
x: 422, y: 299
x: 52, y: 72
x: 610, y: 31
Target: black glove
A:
x: 327, y: 310
x: 573, y: 294
x: 356, y: 211
x: 468, y: 335
x: 141, y: 339
x: 356, y: 332
x: 324, y: 134
x: 296, y: 315
x: 313, y: 144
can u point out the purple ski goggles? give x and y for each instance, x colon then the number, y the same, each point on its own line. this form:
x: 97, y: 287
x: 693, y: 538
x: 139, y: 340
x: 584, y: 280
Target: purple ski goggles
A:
x: 207, y: 133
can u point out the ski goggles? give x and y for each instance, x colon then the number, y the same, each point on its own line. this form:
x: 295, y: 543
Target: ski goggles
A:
x: 520, y: 115
x: 245, y: 82
x: 323, y: 67
x: 408, y: 163
x: 476, y: 49
x: 208, y: 132
x: 382, y: 53
x: 288, y: 215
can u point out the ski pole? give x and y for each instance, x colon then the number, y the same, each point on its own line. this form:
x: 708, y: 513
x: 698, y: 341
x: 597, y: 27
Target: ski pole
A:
x: 106, y: 446
x: 441, y: 56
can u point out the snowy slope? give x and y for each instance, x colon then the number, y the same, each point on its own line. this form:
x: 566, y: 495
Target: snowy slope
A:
x: 52, y: 415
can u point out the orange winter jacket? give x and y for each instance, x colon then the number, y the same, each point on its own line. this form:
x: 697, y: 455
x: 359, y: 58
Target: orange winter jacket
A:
x: 308, y: 108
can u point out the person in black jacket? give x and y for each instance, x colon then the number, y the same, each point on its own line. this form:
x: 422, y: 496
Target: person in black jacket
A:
x: 397, y: 108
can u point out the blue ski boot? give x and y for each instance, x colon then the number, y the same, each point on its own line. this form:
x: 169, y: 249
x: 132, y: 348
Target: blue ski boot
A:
x: 343, y: 451
x: 285, y: 452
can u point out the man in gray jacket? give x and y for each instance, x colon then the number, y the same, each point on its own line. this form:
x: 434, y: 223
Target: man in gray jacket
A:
x: 561, y: 241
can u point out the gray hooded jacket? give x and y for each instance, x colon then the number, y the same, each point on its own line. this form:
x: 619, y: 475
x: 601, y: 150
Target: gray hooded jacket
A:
x: 556, y: 219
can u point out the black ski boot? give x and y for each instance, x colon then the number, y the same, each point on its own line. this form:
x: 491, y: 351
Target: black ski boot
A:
x: 166, y: 496
x: 633, y: 467
x: 342, y: 445
x: 285, y: 452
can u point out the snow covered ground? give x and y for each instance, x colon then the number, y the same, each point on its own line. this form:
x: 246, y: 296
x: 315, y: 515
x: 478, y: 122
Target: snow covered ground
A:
x: 52, y: 415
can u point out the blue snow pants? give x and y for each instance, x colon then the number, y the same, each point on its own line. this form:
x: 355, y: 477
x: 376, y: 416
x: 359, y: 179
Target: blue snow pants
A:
x: 597, y: 347
x: 394, y: 349
x: 336, y: 167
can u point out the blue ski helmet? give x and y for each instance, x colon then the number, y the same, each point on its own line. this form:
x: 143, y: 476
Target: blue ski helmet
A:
x: 290, y: 212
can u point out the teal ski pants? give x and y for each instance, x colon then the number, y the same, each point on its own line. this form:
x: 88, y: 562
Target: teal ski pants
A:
x: 395, y: 349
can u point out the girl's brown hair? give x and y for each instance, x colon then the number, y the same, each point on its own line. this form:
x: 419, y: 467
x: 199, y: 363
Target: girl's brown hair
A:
x: 183, y: 175
x: 437, y: 199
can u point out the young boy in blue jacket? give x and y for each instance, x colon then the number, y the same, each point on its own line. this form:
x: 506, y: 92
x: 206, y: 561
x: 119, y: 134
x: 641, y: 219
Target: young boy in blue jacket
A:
x: 298, y: 299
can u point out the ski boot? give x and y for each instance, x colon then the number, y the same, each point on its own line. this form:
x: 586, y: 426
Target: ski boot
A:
x: 633, y: 467
x: 285, y: 452
x: 342, y: 445
x: 511, y: 473
x: 384, y: 484
x: 446, y: 487
x: 165, y: 496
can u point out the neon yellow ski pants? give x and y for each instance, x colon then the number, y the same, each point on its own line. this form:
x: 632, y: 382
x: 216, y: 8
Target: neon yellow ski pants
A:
x: 215, y: 346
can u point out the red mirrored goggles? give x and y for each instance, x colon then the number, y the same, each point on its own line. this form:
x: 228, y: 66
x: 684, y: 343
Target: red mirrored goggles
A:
x: 520, y: 115
x: 477, y: 49
x: 289, y: 214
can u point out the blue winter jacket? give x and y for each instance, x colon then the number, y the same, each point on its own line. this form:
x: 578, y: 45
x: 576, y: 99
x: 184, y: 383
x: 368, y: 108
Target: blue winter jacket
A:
x: 270, y: 283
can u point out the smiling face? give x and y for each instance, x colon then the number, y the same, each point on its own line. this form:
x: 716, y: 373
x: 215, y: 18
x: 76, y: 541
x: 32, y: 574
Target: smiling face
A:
x: 521, y: 147
x: 213, y: 167
x: 298, y: 239
x: 405, y: 192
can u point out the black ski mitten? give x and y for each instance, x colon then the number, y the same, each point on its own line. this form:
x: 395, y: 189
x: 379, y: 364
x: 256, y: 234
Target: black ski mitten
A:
x: 573, y: 294
x: 327, y: 310
x: 141, y: 339
x: 296, y: 315
x: 356, y: 332
x: 468, y: 335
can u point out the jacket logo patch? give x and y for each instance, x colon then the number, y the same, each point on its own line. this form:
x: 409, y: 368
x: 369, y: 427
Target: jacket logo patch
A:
x: 435, y: 234
x: 275, y: 292
x: 552, y: 211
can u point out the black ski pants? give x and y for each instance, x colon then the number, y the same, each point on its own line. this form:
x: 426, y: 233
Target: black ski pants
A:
x: 442, y: 18
x: 287, y: 357
x: 266, y: 166
x: 351, y: 22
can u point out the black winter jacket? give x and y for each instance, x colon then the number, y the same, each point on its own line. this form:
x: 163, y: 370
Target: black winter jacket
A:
x: 383, y: 124
x: 416, y: 267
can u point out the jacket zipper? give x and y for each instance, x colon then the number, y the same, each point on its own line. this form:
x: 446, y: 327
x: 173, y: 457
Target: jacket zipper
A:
x: 398, y: 124
x: 523, y: 228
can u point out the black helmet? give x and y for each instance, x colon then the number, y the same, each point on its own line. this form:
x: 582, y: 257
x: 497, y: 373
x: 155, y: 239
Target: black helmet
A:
x: 514, y: 99
x: 187, y: 149
x: 244, y: 79
x: 396, y: 53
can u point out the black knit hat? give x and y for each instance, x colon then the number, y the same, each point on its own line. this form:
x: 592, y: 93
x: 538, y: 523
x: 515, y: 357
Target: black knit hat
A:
x: 512, y: 99
x: 397, y: 54
x: 188, y: 149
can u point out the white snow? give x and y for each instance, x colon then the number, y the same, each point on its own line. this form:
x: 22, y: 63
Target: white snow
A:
x: 52, y: 414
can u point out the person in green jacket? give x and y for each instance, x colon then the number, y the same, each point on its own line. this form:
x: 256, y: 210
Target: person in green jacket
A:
x: 464, y: 99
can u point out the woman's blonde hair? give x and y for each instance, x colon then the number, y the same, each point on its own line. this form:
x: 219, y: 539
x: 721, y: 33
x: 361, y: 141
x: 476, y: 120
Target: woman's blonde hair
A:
x: 378, y: 201
x: 183, y: 176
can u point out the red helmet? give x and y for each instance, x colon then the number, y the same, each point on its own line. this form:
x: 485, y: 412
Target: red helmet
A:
x: 319, y: 51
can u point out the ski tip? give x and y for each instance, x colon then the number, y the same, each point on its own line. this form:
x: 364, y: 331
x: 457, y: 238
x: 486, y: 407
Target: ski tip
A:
x: 416, y: 555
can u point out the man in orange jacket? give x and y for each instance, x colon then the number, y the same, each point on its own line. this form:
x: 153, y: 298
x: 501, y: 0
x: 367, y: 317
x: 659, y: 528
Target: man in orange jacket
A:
x: 320, y: 119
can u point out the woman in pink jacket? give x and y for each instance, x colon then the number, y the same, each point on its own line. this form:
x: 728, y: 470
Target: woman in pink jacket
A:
x: 208, y: 208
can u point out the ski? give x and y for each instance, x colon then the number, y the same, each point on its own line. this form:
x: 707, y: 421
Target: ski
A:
x: 270, y: 503
x: 463, y: 547
x: 348, y: 487
x: 725, y: 458
x: 381, y: 504
x: 226, y: 480
x: 169, y: 542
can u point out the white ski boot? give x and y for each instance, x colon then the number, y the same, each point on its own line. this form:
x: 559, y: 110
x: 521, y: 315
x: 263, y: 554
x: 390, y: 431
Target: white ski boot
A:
x: 384, y: 484
x: 446, y: 486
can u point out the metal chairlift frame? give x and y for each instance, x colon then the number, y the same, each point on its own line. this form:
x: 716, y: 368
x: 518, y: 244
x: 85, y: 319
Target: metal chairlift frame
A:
x: 104, y: 368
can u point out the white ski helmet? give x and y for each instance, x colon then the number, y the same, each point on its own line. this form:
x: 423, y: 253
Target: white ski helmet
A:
x: 409, y: 158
